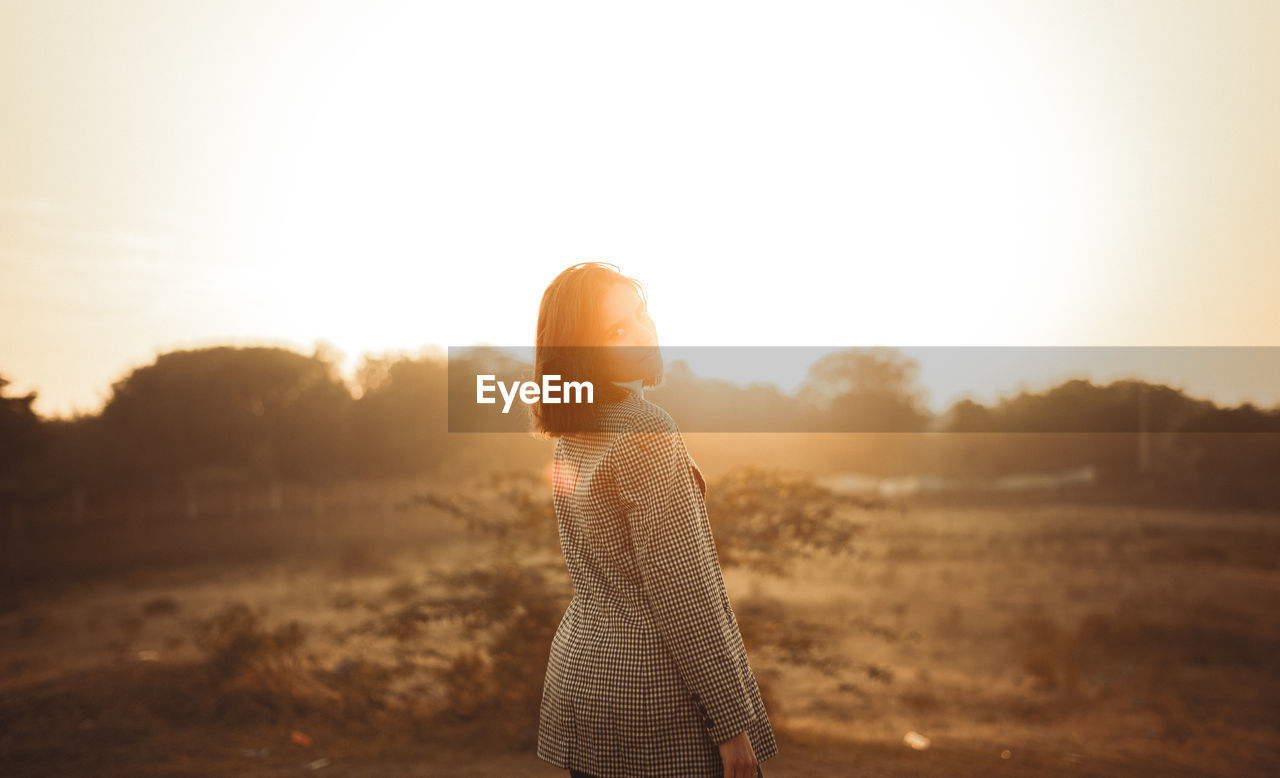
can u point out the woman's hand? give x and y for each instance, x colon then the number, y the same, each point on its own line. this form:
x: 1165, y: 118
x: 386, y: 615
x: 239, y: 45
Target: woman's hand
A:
x: 738, y: 758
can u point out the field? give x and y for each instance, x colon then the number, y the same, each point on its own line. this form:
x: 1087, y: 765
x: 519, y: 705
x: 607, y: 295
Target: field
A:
x: 1044, y: 636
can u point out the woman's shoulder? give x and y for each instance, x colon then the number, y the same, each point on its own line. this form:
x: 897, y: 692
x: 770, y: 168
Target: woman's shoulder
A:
x: 621, y: 419
x: 636, y: 414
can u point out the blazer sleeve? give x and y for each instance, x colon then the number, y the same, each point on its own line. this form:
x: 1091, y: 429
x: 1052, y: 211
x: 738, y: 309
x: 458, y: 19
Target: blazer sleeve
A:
x: 679, y: 572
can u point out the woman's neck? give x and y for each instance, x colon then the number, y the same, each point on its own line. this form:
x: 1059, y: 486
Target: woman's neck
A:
x: 636, y: 386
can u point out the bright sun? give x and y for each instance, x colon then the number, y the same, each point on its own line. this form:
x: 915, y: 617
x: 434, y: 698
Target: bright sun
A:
x: 905, y: 150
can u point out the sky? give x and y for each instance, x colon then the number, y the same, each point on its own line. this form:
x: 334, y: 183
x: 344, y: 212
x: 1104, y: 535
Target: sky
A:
x: 387, y: 178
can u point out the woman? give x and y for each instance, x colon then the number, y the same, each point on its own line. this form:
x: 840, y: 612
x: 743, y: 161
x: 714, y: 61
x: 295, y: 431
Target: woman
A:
x: 647, y: 675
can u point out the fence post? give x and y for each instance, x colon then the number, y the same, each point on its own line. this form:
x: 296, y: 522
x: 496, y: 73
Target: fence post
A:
x: 15, y: 536
x: 78, y: 506
x: 135, y: 513
x: 193, y: 502
x: 275, y: 497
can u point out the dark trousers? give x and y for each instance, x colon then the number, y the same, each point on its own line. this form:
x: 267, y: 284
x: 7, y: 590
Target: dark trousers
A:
x: 580, y: 774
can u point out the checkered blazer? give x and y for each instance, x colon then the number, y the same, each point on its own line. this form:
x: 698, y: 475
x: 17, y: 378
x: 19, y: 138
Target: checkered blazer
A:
x: 648, y: 672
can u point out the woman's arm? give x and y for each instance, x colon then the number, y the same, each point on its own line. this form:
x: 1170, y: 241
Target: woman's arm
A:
x: 679, y: 572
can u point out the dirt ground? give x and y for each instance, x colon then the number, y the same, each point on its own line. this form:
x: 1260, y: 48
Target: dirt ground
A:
x: 1037, y: 639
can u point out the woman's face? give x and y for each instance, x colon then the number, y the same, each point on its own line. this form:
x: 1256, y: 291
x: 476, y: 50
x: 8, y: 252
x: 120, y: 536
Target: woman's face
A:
x: 626, y: 318
x: 627, y: 325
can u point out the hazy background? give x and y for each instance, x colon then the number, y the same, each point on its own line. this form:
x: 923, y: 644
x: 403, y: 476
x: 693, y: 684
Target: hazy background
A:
x: 236, y: 536
x: 386, y: 176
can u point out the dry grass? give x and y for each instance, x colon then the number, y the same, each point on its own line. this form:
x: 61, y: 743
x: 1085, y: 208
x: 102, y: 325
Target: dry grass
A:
x: 1069, y: 635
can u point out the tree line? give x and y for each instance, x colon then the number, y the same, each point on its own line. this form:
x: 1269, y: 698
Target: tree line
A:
x: 259, y: 414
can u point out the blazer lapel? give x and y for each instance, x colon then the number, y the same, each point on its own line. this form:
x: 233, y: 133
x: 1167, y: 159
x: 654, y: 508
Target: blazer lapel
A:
x: 702, y: 483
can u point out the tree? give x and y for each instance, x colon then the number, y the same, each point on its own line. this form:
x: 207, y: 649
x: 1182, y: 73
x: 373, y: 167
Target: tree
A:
x: 22, y: 437
x: 866, y: 390
x: 259, y: 411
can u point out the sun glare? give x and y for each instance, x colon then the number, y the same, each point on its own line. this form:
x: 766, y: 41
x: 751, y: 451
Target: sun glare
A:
x: 964, y: 181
